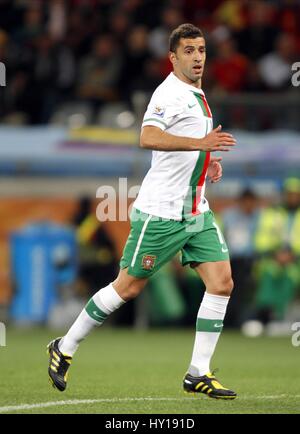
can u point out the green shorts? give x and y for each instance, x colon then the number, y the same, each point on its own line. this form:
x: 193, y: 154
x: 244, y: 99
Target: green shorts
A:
x: 153, y: 241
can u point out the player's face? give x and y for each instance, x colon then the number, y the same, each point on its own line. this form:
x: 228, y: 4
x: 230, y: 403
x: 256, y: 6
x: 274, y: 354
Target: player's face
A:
x: 189, y: 60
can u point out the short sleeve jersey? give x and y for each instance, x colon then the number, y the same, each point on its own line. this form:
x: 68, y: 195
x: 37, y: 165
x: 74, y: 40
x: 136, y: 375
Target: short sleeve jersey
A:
x: 174, y: 186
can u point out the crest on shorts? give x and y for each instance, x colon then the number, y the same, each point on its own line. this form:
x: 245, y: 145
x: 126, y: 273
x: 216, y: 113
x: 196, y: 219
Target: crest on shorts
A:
x: 148, y: 262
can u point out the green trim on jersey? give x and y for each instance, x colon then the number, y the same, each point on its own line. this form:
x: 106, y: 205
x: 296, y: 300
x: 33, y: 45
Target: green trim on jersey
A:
x: 156, y: 120
x: 199, y: 167
x: 197, y: 172
x: 203, y: 104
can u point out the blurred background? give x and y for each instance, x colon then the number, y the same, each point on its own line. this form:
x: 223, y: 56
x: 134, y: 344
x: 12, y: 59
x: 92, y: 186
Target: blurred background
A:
x: 79, y: 75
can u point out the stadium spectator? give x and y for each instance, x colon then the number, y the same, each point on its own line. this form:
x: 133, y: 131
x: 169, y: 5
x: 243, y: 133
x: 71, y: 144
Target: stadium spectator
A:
x: 145, y: 13
x: 61, y: 36
x: 277, y: 241
x: 119, y: 25
x: 259, y: 35
x: 254, y: 82
x: 151, y: 77
x: 201, y: 12
x: 97, y: 255
x: 275, y: 67
x: 159, y: 37
x: 135, y: 56
x: 289, y: 17
x: 32, y: 27
x: 229, y: 68
x: 232, y: 13
x: 239, y: 224
x: 57, y: 20
x: 53, y: 71
x: 10, y: 15
x: 45, y: 79
x: 99, y: 72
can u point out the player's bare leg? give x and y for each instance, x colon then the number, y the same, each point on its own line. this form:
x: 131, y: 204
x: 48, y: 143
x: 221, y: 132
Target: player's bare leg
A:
x: 216, y: 277
x: 218, y: 281
x: 125, y: 287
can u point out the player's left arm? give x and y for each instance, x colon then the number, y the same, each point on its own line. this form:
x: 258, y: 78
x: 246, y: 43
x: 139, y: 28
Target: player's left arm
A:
x: 214, y: 171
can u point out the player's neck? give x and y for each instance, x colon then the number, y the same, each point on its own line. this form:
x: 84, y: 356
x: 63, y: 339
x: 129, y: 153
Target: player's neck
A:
x: 186, y: 80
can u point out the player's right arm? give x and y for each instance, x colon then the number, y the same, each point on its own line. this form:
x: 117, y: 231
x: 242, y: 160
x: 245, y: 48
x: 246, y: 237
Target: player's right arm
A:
x: 158, y: 140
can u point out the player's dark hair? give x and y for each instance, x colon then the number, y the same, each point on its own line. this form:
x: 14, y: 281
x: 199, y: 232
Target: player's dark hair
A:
x: 184, y: 31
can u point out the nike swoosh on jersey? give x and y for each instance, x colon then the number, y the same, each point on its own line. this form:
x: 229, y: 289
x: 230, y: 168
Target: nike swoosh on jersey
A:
x: 191, y: 105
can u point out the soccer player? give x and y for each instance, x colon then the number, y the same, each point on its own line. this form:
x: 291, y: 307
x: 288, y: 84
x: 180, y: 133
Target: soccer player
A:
x: 171, y: 214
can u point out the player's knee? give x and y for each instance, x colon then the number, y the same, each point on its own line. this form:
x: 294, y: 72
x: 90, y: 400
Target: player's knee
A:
x: 226, y: 286
x: 133, y: 290
x: 127, y: 286
x: 223, y: 287
x: 129, y: 289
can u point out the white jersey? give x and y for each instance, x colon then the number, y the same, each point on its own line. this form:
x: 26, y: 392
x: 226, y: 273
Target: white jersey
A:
x: 175, y: 184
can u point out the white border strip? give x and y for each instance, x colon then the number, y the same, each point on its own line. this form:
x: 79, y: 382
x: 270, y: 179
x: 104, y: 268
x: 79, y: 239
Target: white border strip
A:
x: 140, y: 240
x: 13, y: 408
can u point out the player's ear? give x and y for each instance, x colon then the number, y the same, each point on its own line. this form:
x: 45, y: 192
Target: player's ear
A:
x: 172, y: 57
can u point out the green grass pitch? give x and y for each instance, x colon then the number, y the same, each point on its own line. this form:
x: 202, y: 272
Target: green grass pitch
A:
x: 129, y: 371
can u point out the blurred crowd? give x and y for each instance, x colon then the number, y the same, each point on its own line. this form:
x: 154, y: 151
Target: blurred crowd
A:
x: 263, y: 237
x: 264, y: 245
x: 102, y: 51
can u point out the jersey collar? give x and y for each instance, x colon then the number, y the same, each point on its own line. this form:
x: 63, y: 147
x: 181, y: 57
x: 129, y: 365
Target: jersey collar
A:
x: 185, y: 85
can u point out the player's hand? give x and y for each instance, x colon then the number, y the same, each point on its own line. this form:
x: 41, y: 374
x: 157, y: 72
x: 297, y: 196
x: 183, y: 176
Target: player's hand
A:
x: 216, y: 140
x: 214, y: 171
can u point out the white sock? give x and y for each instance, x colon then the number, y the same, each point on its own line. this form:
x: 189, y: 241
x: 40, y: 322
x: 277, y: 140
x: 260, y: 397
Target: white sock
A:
x: 100, y: 306
x: 209, y: 326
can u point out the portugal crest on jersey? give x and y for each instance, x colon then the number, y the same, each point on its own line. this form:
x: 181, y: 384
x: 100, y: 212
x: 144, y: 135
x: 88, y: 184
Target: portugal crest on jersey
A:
x: 148, y: 262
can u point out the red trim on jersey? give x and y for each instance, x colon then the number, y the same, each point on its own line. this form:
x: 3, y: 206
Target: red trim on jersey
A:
x: 206, y: 106
x: 200, y: 184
